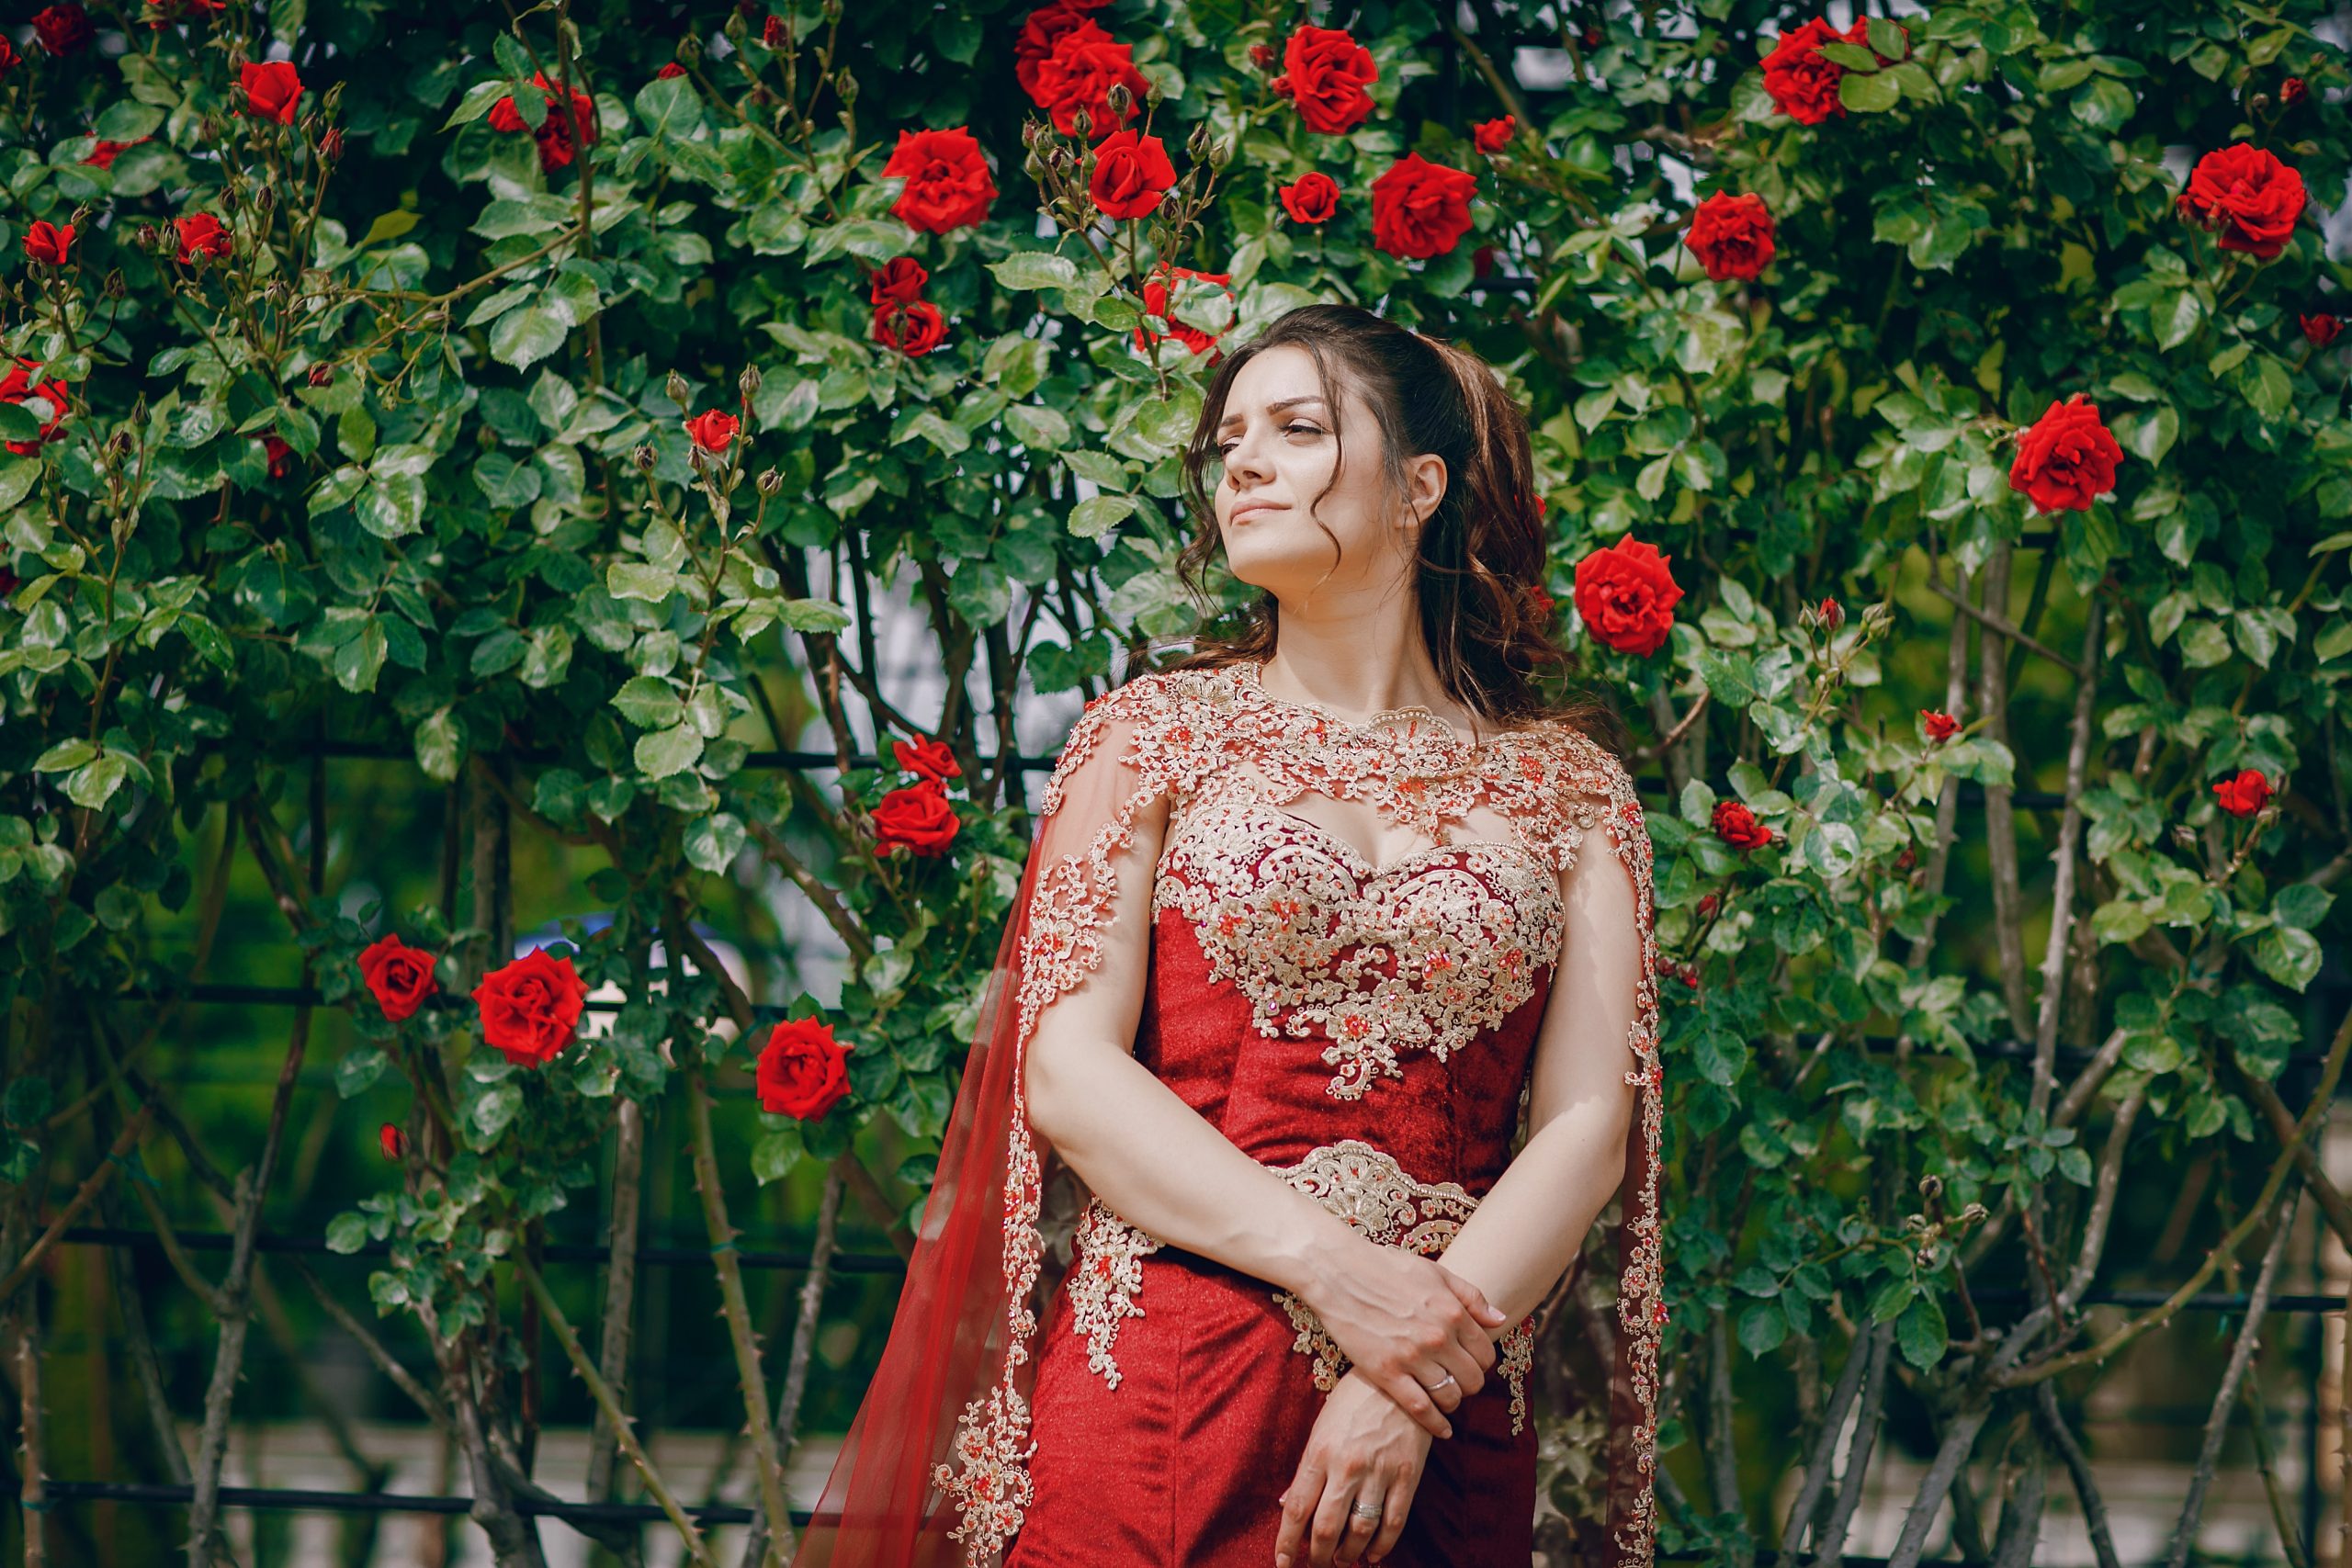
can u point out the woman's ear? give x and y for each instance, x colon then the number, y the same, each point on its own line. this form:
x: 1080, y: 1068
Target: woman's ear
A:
x: 1424, y: 488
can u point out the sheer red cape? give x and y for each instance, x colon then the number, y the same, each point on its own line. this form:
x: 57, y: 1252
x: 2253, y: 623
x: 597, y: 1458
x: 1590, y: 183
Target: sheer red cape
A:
x: 932, y: 1472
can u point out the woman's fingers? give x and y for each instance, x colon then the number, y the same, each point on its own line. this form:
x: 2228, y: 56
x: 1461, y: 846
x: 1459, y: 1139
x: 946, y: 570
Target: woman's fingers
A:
x: 1412, y: 1396
x: 1330, y: 1523
x: 1359, y: 1529
x: 1474, y: 1298
x: 1298, y: 1508
x: 1396, y: 1505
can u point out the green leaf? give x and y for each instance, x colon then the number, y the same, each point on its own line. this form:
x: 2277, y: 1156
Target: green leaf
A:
x: 1887, y: 39
x: 392, y: 506
x: 1867, y: 94
x: 668, y: 751
x: 1920, y: 1332
x: 1852, y: 56
x: 669, y: 108
x: 2289, y: 956
x: 64, y: 756
x: 475, y: 104
x: 346, y: 1233
x: 18, y: 423
x: 1097, y: 514
x: 357, y: 1072
x: 17, y: 477
x: 522, y: 338
x: 94, y: 784
x: 2103, y: 104
x: 1763, y: 1326
x: 1044, y: 429
x: 649, y: 702
x: 1035, y: 269
x: 2176, y: 319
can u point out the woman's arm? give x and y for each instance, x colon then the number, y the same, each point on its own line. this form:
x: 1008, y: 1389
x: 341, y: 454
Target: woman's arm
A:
x: 1528, y: 1228
x: 1162, y: 1167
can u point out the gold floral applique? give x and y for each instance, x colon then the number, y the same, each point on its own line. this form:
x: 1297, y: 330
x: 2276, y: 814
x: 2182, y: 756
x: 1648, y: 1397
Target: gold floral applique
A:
x: 1367, y: 1188
x: 1427, y: 953
x: 1106, y: 1270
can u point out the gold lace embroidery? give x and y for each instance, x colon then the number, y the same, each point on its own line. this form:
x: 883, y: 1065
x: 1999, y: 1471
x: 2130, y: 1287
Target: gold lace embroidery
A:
x: 1367, y: 1188
x: 1106, y: 1270
x: 1427, y: 953
x: 1187, y: 728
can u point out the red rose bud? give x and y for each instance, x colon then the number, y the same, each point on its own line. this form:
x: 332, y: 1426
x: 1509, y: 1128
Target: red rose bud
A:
x: 1494, y: 135
x: 1540, y: 603
x: 48, y: 243
x: 1731, y: 235
x: 803, y: 1071
x: 1708, y: 904
x: 2249, y: 196
x: 897, y: 281
x: 2245, y: 794
x: 2067, y: 459
x: 202, y: 235
x: 2290, y: 92
x: 1832, y: 614
x: 272, y: 90
x: 1736, y: 826
x: 948, y: 184
x: 331, y: 144
x: 670, y: 71
x: 1482, y: 261
x: 397, y: 976
x: 1420, y: 210
x: 1261, y: 55
x: 1907, y: 859
x: 9, y: 57
x: 280, y: 455
x: 323, y: 375
x: 918, y: 818
x: 1941, y: 727
x: 772, y: 33
x: 712, y: 430
x: 531, y: 1007
x: 1625, y: 596
x: 392, y: 1140
x: 931, y: 758
x: 1314, y: 198
x: 2321, y: 330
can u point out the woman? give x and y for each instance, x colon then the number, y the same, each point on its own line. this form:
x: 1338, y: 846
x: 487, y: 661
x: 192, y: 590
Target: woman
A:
x: 1326, y: 1011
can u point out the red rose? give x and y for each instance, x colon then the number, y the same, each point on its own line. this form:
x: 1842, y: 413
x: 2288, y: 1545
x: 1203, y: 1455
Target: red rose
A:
x: 2245, y: 794
x: 917, y: 818
x: 1802, y: 84
x: 530, y: 1008
x: 279, y: 455
x: 1941, y: 727
x: 670, y: 72
x: 913, y: 330
x: 712, y: 430
x: 272, y: 89
x: 1540, y: 602
x: 160, y: 13
x: 899, y: 281
x: 392, y: 1140
x: 1731, y: 235
x: 1261, y: 55
x: 1077, y: 75
x: 931, y: 758
x: 1045, y: 29
x: 1313, y: 197
x: 202, y: 235
x: 803, y: 1070
x: 2066, y: 460
x: 8, y: 57
x: 102, y: 155
x: 1625, y: 596
x: 1324, y: 73
x: 49, y: 242
x: 2250, y: 195
x: 2290, y: 92
x: 1736, y: 826
x: 2321, y: 330
x: 948, y: 184
x: 400, y: 975
x: 1493, y: 135
x: 18, y: 386
x: 1131, y: 174
x: 63, y: 30
x: 554, y: 135
x: 1157, y: 301
x: 1420, y: 209
x: 772, y: 33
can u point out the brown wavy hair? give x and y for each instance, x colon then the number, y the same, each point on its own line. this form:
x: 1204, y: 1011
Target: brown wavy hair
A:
x: 1479, y: 553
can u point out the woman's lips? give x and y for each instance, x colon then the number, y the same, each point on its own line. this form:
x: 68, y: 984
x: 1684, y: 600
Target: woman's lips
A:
x: 1255, y: 506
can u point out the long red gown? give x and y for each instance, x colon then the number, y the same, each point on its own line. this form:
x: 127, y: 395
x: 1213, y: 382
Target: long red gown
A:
x: 1364, y: 1030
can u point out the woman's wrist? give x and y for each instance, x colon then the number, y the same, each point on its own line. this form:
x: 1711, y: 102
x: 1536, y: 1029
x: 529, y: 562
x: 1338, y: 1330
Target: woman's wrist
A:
x: 1325, y: 1247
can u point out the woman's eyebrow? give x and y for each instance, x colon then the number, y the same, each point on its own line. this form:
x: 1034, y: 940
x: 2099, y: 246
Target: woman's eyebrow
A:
x: 1229, y: 421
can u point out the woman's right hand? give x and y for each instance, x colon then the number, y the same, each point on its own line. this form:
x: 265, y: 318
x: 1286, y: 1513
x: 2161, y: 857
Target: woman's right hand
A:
x: 1404, y: 1321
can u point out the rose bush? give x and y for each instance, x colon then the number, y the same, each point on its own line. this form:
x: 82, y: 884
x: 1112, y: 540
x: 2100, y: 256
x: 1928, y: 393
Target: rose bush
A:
x: 532, y: 421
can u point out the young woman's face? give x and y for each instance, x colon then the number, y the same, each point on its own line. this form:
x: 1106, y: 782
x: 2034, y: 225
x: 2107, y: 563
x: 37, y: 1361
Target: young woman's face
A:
x: 1279, y: 454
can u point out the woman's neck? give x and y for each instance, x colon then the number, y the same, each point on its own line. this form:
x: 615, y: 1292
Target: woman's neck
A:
x: 1360, y: 671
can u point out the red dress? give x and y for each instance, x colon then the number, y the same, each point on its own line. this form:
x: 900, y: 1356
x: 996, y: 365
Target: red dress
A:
x: 1365, y: 1032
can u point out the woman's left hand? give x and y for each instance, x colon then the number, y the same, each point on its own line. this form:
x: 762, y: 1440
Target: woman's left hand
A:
x: 1363, y: 1448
